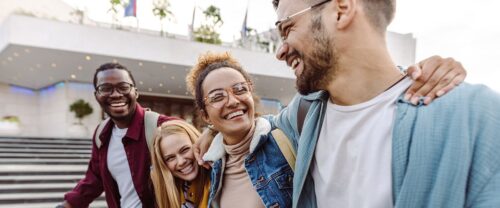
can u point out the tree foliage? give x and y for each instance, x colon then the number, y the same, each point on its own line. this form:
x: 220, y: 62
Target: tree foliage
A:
x: 161, y: 9
x: 81, y: 109
x: 207, y: 32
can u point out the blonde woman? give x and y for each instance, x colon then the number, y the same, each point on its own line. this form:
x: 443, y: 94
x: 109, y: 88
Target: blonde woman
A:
x: 177, y: 179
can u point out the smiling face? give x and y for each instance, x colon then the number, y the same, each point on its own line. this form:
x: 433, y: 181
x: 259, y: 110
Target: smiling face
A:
x: 235, y: 116
x: 178, y: 156
x: 120, y: 107
x: 307, y: 47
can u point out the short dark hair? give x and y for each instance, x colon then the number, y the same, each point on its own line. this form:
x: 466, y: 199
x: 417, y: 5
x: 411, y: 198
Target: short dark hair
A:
x: 379, y: 12
x: 108, y: 66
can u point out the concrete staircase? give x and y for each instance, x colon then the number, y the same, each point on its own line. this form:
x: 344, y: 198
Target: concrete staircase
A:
x: 36, y: 172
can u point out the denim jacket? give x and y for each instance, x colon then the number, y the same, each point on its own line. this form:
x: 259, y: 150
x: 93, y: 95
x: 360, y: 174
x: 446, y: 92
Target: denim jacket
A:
x: 266, y: 166
x: 445, y: 154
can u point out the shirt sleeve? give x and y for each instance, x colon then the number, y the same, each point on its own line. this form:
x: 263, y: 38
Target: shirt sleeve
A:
x: 90, y: 187
x: 286, y: 120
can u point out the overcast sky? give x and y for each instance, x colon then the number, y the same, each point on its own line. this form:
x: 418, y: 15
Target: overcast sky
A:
x: 468, y: 31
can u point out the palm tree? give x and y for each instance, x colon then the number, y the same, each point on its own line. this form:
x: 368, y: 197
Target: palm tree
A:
x: 114, y: 10
x: 207, y: 32
x: 161, y: 9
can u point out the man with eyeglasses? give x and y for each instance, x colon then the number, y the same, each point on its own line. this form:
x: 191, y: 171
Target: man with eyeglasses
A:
x: 120, y: 162
x: 363, y: 143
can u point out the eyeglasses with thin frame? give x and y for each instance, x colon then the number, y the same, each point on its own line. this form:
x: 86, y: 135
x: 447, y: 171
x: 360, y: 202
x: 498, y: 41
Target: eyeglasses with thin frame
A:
x: 280, y: 22
x: 218, y: 98
x: 106, y: 89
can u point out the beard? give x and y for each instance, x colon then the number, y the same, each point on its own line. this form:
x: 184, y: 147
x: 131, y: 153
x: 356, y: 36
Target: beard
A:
x: 321, y: 65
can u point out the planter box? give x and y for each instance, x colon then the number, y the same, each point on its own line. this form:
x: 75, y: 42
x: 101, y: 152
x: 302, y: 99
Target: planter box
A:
x: 8, y: 128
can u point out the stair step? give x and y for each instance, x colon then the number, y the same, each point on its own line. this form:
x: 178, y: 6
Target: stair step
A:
x: 12, y: 198
x: 42, y: 161
x: 44, y: 141
x: 35, y: 155
x: 47, y: 138
x: 38, y: 197
x: 54, y: 169
x: 45, y: 151
x: 98, y: 203
x: 26, y: 179
x: 36, y: 187
x: 45, y: 146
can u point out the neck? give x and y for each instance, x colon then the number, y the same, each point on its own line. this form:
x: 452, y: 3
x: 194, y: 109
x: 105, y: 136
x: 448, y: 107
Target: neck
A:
x: 232, y: 139
x: 121, y: 124
x: 125, y: 121
x: 364, y: 71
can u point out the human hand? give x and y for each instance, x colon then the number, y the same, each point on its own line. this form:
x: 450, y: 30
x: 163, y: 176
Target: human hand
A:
x: 201, y: 146
x: 65, y: 204
x: 434, y: 77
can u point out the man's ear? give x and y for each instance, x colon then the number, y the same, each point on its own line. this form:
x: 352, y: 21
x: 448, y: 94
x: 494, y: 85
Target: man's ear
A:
x: 136, y: 94
x: 346, y: 11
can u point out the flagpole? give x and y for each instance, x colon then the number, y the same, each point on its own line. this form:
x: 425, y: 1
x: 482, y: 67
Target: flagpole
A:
x: 244, y: 26
x: 136, y: 17
x: 191, y: 27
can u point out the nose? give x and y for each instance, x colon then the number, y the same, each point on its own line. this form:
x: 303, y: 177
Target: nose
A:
x: 232, y: 99
x: 181, y: 161
x: 115, y: 93
x: 282, y: 51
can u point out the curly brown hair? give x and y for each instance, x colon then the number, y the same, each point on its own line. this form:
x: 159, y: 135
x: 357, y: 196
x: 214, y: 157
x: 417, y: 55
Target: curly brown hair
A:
x: 207, y: 63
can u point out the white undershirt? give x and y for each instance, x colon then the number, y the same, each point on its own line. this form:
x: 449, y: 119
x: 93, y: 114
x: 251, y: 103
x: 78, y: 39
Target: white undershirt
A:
x: 352, y: 160
x: 120, y: 170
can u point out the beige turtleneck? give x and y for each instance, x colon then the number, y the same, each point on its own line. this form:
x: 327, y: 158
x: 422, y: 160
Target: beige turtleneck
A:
x: 237, y: 189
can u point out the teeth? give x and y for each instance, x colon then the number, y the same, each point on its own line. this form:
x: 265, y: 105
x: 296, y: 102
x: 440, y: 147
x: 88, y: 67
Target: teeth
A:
x: 187, y: 169
x: 234, y: 114
x: 117, y: 104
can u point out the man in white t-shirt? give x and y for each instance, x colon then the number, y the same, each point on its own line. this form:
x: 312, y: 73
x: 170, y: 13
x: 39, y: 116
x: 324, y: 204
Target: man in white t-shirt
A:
x: 337, y: 47
x: 362, y: 143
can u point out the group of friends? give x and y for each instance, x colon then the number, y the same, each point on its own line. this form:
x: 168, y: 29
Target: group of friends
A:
x: 362, y: 132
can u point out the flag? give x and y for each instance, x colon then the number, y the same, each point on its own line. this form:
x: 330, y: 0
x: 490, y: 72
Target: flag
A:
x: 244, y: 28
x: 131, y: 9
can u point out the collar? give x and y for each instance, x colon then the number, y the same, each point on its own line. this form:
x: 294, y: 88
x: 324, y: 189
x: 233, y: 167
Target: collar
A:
x: 318, y: 95
x: 217, y: 151
x: 134, y: 128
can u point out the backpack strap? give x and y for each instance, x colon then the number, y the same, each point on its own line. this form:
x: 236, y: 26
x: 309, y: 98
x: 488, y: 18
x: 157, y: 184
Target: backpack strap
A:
x: 302, y: 112
x: 98, y: 132
x: 150, y: 125
x: 285, y: 147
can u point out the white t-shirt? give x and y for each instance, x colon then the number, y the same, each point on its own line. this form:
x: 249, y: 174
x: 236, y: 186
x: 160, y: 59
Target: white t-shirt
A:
x: 352, y: 160
x: 120, y: 170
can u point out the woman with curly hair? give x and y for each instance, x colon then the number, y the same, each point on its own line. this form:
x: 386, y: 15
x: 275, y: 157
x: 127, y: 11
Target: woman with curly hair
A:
x: 177, y: 179
x: 249, y: 166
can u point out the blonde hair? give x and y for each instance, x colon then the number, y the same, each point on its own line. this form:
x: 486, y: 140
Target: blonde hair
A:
x: 167, y: 188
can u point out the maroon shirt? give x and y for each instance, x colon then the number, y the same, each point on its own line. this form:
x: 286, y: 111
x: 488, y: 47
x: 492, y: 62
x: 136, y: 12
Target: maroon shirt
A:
x: 99, y: 179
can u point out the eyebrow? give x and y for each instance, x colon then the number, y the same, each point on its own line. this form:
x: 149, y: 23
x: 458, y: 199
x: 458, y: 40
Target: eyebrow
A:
x: 215, y: 90
x: 232, y: 86
x: 180, y: 149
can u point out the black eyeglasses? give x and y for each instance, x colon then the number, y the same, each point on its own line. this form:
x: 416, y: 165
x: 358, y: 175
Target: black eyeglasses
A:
x: 280, y: 22
x: 123, y: 88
